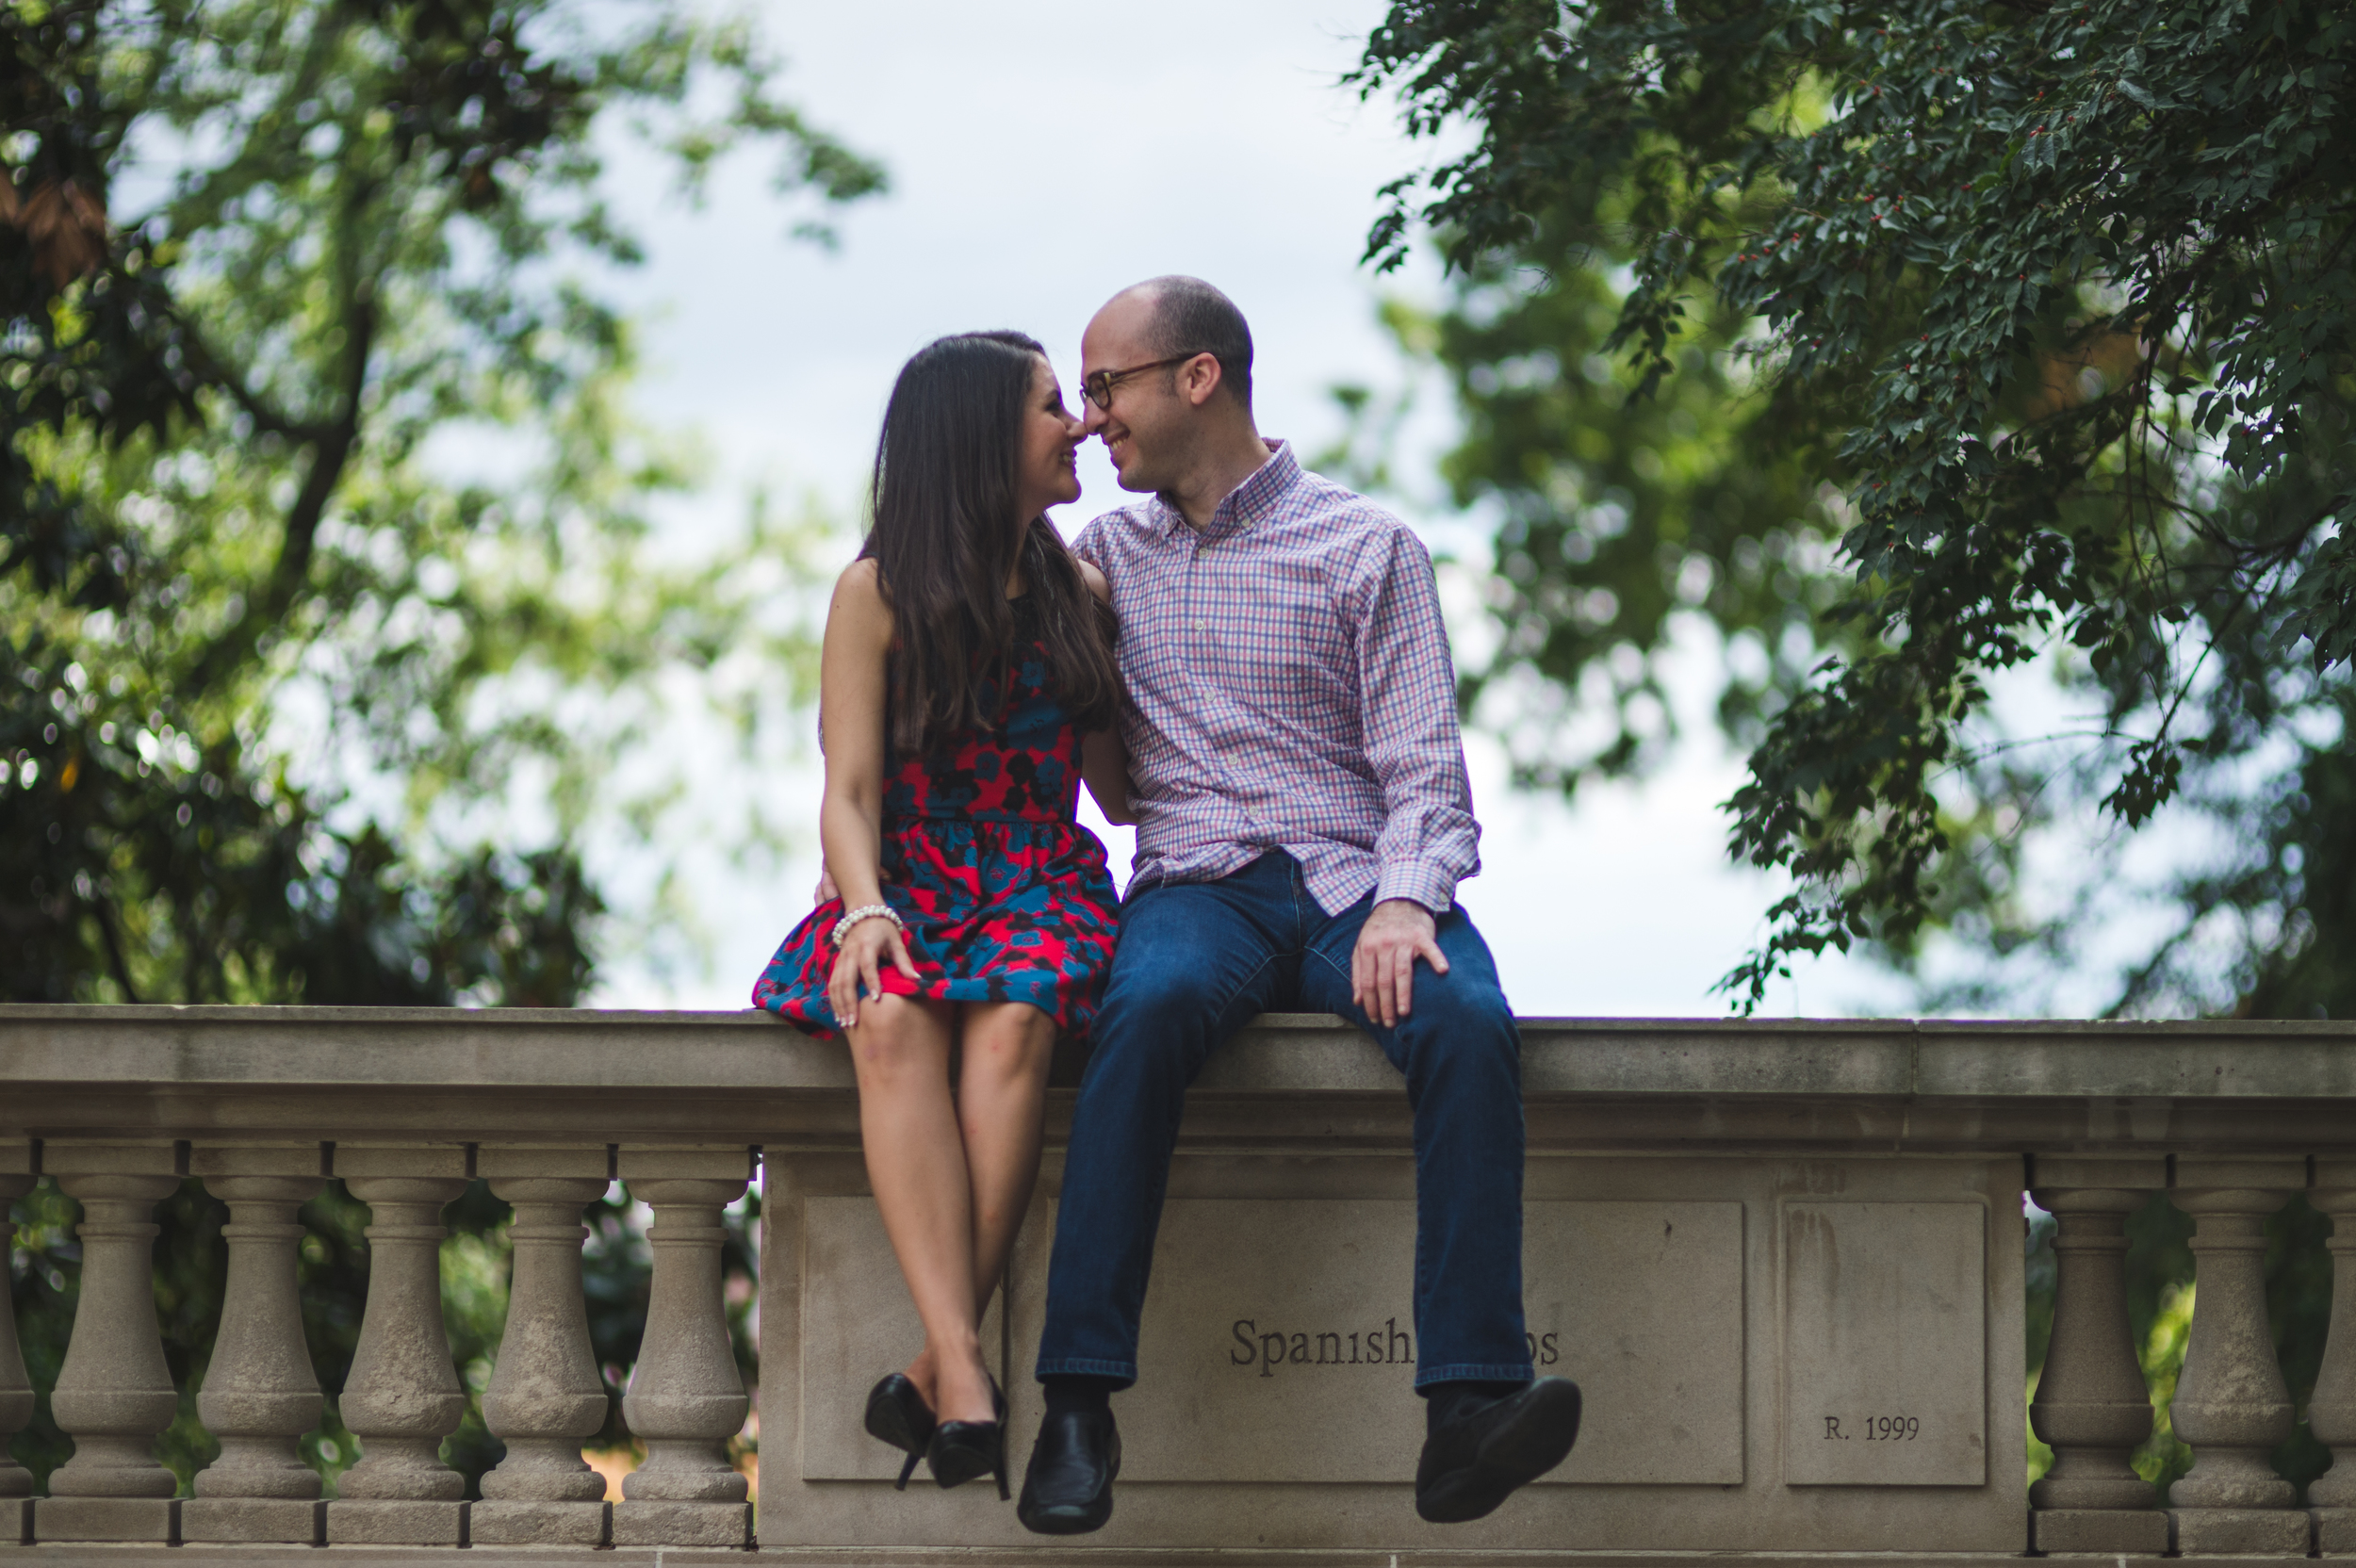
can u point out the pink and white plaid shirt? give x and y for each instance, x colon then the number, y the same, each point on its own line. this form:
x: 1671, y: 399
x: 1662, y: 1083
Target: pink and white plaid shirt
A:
x: 1294, y: 692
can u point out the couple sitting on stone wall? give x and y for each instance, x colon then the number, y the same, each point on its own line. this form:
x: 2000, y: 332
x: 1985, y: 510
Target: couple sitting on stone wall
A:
x: 1249, y: 664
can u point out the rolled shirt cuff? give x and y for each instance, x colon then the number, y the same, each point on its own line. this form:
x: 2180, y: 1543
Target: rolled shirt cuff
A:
x: 1419, y: 882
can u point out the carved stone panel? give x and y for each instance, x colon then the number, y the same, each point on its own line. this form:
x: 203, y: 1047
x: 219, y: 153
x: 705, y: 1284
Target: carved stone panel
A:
x: 1885, y: 1329
x: 1673, y: 1289
x: 1278, y: 1345
x: 1279, y: 1340
x: 857, y: 1325
x: 1643, y: 1302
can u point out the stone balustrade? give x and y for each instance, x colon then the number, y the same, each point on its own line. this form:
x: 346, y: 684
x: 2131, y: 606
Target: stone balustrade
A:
x: 1784, y: 1260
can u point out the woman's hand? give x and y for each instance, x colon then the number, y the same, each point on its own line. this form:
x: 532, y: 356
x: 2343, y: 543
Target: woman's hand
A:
x: 859, y: 962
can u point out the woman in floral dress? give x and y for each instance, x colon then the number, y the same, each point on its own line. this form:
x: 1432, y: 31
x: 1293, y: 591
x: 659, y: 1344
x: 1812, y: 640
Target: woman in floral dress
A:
x: 967, y: 686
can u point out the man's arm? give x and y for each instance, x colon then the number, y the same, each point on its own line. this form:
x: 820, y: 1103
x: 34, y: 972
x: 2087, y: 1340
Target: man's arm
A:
x: 1407, y: 682
x: 1428, y: 840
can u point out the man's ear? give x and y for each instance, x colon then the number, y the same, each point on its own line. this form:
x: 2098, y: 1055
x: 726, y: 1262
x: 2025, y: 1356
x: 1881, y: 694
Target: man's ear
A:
x: 1198, y: 378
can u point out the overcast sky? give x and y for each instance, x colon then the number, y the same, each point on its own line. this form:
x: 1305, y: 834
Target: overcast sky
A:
x: 1041, y: 160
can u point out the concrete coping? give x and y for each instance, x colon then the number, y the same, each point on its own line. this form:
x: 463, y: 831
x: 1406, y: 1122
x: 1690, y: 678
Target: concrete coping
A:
x: 193, y: 1049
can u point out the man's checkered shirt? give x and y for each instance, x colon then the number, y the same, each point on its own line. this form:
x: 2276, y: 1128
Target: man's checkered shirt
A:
x: 1293, y: 689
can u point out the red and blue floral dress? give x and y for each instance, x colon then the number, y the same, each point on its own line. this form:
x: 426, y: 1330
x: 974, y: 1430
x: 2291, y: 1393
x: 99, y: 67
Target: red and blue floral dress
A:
x: 1005, y: 895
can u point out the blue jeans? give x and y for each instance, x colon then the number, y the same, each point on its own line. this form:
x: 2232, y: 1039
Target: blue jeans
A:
x: 1197, y: 961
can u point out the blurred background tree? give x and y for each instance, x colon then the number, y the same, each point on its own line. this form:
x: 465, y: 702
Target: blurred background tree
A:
x: 1909, y: 356
x: 256, y: 258
x: 322, y: 544
x: 1968, y: 390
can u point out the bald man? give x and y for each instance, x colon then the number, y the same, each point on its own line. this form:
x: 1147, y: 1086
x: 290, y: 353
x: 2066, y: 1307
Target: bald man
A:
x: 1304, y: 820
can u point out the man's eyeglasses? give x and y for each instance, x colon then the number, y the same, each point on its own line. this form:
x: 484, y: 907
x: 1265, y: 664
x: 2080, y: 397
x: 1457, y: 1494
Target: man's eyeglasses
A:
x: 1098, y: 388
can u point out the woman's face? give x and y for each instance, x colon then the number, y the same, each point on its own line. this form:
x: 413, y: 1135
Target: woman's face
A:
x: 1047, y: 474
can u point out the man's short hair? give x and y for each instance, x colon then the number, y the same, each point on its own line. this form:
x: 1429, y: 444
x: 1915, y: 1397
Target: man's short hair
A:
x: 1192, y: 317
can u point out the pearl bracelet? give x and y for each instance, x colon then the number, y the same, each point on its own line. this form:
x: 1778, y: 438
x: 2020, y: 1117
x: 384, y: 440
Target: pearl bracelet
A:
x: 866, y: 911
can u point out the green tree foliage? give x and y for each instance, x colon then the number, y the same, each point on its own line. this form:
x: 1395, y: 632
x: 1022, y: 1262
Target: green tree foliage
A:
x: 1930, y: 348
x: 254, y: 256
x: 1911, y: 345
x: 322, y: 537
x: 1614, y: 516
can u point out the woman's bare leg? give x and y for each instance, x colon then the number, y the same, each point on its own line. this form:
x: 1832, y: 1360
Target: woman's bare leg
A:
x: 916, y: 1164
x: 1001, y: 1102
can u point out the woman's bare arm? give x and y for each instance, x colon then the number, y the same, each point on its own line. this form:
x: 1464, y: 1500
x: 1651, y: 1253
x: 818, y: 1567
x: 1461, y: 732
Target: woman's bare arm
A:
x: 1105, y: 764
x: 851, y: 690
x: 1104, y: 759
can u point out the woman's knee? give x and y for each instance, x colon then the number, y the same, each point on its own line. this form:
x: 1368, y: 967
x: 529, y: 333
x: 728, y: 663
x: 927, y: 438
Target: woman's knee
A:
x: 1006, y: 1044
x: 896, y: 1038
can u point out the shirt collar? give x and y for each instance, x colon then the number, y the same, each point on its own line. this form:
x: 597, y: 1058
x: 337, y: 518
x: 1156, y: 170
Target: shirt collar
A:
x: 1250, y: 501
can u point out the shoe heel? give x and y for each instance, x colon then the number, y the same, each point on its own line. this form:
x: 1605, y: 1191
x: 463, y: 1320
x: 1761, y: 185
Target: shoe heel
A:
x: 963, y: 1450
x: 906, y: 1469
x: 897, y: 1414
x: 998, y: 1397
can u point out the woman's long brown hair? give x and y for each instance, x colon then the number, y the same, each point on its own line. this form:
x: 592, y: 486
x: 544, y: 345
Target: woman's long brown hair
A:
x: 946, y: 537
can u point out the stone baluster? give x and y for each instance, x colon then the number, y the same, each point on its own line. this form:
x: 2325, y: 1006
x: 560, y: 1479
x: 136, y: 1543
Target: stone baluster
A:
x: 260, y: 1393
x: 114, y: 1394
x: 784, y: 1191
x: 2332, y: 1412
x: 403, y: 1396
x: 2092, y: 1407
x: 546, y: 1396
x: 16, y: 1389
x: 686, y: 1399
x: 2231, y: 1404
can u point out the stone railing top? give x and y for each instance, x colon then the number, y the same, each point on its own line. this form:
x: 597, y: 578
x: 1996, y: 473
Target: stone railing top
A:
x: 471, y: 1074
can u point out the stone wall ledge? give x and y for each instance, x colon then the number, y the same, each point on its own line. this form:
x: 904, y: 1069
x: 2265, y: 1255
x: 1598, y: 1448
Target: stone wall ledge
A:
x: 719, y: 1078
x: 1062, y: 1554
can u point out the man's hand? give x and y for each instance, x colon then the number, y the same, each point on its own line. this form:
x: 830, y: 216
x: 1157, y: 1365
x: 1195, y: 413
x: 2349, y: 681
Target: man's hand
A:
x: 1383, y: 966
x: 824, y: 892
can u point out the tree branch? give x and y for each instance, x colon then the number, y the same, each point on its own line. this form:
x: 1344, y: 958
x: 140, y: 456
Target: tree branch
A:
x: 113, y: 944
x: 265, y: 415
x: 331, y: 450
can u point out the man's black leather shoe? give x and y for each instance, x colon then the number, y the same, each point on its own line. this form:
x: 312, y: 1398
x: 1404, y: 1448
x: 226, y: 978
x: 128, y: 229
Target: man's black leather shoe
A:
x: 1067, y: 1489
x: 1474, y: 1463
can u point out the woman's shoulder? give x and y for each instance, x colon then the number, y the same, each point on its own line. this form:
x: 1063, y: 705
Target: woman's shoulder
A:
x: 1095, y: 580
x: 859, y: 602
x: 860, y: 588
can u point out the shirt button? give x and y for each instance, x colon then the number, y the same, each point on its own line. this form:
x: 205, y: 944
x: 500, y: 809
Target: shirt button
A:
x: 1202, y: 626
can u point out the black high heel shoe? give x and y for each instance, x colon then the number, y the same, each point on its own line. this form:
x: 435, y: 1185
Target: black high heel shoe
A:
x: 897, y: 1414
x: 961, y: 1451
